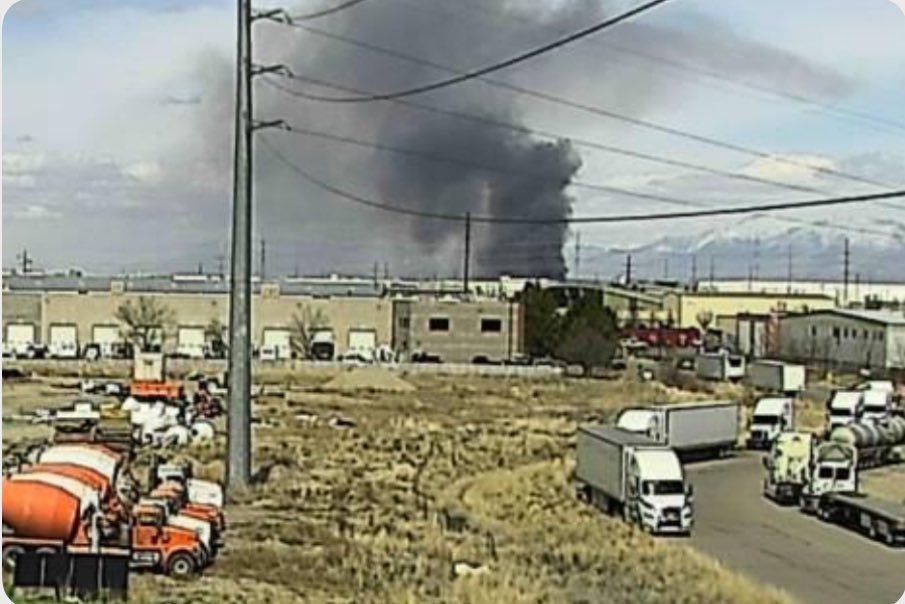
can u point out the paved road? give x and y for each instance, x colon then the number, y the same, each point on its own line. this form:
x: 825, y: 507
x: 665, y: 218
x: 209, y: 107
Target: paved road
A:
x: 816, y: 562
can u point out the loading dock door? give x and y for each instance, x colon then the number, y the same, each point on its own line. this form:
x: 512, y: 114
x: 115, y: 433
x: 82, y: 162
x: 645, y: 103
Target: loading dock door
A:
x: 362, y: 339
x: 19, y: 337
x: 190, y: 342
x: 63, y: 336
x: 105, y: 336
x: 281, y: 340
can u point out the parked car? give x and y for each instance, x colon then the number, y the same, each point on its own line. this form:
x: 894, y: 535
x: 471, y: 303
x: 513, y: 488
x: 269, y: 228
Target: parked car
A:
x: 426, y: 357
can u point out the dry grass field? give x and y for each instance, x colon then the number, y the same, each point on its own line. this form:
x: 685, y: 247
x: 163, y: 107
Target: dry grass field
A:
x: 456, y: 490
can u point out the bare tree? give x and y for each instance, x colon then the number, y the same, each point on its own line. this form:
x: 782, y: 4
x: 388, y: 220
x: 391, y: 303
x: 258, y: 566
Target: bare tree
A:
x: 304, y: 325
x: 704, y: 318
x: 144, y: 322
x: 214, y: 335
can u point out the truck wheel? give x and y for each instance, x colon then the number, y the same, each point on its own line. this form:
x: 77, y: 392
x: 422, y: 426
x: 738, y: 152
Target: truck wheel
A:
x: 181, y: 566
x: 10, y: 554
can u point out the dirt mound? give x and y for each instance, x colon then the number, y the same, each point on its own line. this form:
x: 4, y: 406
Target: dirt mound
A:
x: 375, y: 379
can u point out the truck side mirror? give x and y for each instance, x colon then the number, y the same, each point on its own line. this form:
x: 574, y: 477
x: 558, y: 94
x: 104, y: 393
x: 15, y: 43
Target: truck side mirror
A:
x: 689, y: 491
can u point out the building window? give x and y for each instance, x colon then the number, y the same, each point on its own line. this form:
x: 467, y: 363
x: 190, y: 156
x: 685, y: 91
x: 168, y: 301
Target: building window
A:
x: 864, y: 334
x: 405, y: 322
x: 836, y: 333
x: 813, y: 331
x: 438, y: 324
x: 491, y: 325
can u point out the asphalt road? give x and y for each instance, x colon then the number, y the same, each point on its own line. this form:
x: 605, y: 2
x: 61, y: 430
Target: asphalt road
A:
x: 817, y: 563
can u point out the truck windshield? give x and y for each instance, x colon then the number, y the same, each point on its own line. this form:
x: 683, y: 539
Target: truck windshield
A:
x: 765, y: 420
x: 662, y: 487
x: 829, y: 472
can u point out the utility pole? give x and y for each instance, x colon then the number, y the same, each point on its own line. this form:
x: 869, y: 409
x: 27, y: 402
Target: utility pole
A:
x: 628, y: 269
x: 376, y: 274
x: 386, y: 271
x: 577, y: 254
x: 845, y: 271
x: 221, y: 262
x: 465, y: 271
x: 26, y: 262
x: 789, y: 271
x: 756, y: 257
x: 666, y: 268
x: 712, y: 271
x: 238, y: 466
x: 263, y: 271
x: 694, y: 272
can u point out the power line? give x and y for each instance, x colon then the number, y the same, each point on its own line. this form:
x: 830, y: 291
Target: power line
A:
x: 578, y: 142
x: 748, y: 209
x: 324, y: 12
x: 483, y: 167
x: 848, y: 114
x: 594, y: 110
x: 521, y: 58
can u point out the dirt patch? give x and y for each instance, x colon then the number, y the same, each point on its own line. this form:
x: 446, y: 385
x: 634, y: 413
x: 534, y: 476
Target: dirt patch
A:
x: 369, y: 379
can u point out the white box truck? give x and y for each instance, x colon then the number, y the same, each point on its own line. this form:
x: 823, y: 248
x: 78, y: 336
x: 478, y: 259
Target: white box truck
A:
x: 627, y: 474
x: 720, y: 366
x: 776, y: 376
x: 707, y: 428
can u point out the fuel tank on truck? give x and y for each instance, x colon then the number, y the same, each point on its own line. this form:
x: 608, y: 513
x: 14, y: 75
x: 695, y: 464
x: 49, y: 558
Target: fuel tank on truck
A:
x: 42, y: 505
x: 860, y: 436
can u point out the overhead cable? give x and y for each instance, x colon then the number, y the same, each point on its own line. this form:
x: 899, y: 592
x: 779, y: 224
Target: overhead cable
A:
x: 647, y: 217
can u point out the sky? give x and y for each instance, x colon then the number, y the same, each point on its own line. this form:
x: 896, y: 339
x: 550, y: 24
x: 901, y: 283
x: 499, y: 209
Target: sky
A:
x: 116, y: 132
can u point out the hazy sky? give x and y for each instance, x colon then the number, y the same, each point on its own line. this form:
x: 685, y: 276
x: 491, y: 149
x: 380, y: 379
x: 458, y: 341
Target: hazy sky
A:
x: 115, y: 128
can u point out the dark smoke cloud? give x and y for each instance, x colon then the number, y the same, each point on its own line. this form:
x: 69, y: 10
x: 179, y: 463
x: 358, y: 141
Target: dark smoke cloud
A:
x: 312, y: 228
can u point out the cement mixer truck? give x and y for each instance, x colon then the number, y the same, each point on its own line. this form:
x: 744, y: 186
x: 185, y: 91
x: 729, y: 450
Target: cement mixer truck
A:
x: 877, y: 443
x: 78, y: 502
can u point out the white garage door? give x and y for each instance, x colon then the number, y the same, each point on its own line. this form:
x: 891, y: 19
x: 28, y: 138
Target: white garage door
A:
x: 280, y: 340
x: 64, y: 341
x: 18, y: 338
x: 105, y: 336
x: 190, y: 342
x: 362, y: 339
x: 63, y: 335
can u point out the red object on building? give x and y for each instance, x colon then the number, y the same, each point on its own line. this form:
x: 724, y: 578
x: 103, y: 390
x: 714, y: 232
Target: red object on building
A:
x: 668, y: 337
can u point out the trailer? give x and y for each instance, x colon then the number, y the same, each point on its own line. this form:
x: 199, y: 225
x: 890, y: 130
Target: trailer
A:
x: 720, y: 366
x: 627, y: 474
x: 710, y: 428
x: 878, y: 519
x: 776, y: 376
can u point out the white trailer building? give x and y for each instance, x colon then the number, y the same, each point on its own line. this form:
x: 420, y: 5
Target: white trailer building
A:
x: 850, y: 338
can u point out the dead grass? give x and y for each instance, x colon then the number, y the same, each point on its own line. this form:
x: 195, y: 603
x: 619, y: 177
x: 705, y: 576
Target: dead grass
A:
x: 381, y: 507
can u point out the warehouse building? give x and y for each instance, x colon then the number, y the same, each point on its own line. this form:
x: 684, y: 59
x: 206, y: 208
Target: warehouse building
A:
x: 845, y: 338
x: 685, y: 309
x: 358, y: 313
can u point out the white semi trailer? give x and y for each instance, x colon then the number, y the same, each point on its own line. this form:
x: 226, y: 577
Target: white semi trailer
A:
x: 692, y: 429
x: 776, y: 376
x: 720, y: 366
x: 627, y: 474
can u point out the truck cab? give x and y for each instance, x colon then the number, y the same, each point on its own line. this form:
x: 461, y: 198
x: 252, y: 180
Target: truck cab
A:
x: 658, y: 498
x: 877, y: 406
x: 771, y: 417
x: 844, y: 407
x: 788, y: 466
x: 162, y: 546
x: 833, y: 470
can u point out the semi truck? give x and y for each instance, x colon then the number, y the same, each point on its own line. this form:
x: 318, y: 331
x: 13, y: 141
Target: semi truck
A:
x: 691, y: 429
x: 844, y: 407
x: 833, y: 496
x: 788, y: 467
x: 720, y: 366
x: 830, y: 489
x: 627, y: 474
x: 772, y: 416
x: 776, y: 376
